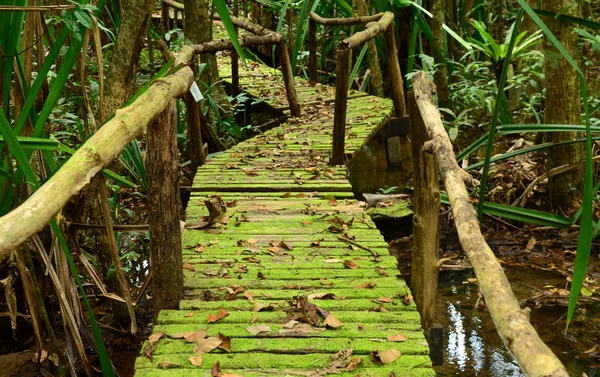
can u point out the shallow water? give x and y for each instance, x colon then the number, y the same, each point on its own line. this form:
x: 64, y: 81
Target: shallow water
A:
x: 473, y: 348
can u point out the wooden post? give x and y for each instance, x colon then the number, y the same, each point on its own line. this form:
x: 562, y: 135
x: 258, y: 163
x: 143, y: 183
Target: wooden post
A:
x: 235, y: 59
x: 195, y: 132
x: 288, y: 78
x: 341, y: 104
x: 163, y: 204
x: 312, y: 43
x: 426, y: 202
x: 165, y: 20
x: 394, y: 72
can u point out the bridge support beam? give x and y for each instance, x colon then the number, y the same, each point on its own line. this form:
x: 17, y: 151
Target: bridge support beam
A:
x: 163, y: 203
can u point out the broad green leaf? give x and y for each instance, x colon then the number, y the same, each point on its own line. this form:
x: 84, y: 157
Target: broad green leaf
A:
x: 223, y: 11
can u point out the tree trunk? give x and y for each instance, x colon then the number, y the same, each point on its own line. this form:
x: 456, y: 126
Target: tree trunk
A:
x: 376, y: 80
x: 120, y: 83
x: 198, y: 30
x: 563, y: 106
x: 437, y: 49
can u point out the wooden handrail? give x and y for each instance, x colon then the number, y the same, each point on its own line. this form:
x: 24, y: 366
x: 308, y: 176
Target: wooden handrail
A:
x: 263, y: 36
x: 383, y: 25
x: 512, y: 323
x: 95, y: 154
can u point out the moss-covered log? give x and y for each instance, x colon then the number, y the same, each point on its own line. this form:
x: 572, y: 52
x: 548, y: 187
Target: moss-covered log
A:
x: 533, y: 356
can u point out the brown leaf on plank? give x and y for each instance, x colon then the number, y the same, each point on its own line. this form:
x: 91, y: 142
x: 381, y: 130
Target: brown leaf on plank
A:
x: 351, y: 264
x: 385, y: 299
x: 260, y: 275
x: 285, y: 246
x: 368, y: 284
x: 220, y: 315
x: 249, y: 295
x: 226, y: 342
x: 317, y: 243
x: 164, y: 364
x: 355, y: 361
x: 381, y: 271
x: 238, y: 290
x: 189, y: 266
x: 332, y: 260
x: 215, y: 371
x: 187, y: 315
x: 255, y: 330
x: 196, y: 336
x: 389, y: 356
x: 322, y: 296
x: 332, y: 321
x: 195, y: 360
x: 200, y: 249
x: 261, y: 307
x: 180, y: 335
x: 397, y: 338
x: 155, y: 337
x: 207, y: 345
x: 231, y: 204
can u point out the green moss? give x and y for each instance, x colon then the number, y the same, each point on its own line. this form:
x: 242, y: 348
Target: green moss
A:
x: 399, y: 209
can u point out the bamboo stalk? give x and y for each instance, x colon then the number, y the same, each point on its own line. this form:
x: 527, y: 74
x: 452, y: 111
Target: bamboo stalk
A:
x: 533, y: 356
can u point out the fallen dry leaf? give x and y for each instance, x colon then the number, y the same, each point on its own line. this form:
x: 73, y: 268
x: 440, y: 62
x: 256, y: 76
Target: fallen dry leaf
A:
x: 214, y: 318
x: 194, y: 337
x: 226, y: 344
x: 332, y: 260
x: 164, y: 364
x: 389, y: 356
x: 332, y: 321
x: 255, y: 330
x: 249, y: 295
x: 180, y: 335
x: 350, y: 264
x: 155, y: 337
x: 531, y: 244
x: 384, y: 299
x: 196, y: 360
x: 355, y: 361
x: 215, y: 371
x: 260, y: 306
x: 187, y: 315
x: 231, y: 375
x: 369, y: 284
x: 381, y: 271
x: 291, y: 324
x: 207, y: 345
x: 285, y: 246
x: 397, y: 338
x: 189, y: 266
x: 322, y: 296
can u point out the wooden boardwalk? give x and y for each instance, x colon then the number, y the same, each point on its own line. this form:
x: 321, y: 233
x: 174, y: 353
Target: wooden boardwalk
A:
x: 298, y: 272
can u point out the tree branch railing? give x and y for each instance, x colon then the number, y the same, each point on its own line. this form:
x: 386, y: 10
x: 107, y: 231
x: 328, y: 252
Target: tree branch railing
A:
x: 102, y: 148
x: 262, y: 36
x: 375, y: 25
x: 512, y: 323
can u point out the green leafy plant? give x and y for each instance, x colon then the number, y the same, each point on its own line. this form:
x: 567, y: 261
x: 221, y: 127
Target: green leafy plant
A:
x: 498, y: 52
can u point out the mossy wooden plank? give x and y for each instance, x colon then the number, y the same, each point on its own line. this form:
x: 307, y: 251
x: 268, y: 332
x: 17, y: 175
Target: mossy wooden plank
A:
x: 321, y: 283
x: 316, y: 273
x: 298, y: 346
x: 352, y: 330
x: 283, y: 263
x: 271, y: 360
x: 359, y: 304
x: 382, y: 371
x: 268, y: 360
x: 245, y: 317
x: 394, y: 294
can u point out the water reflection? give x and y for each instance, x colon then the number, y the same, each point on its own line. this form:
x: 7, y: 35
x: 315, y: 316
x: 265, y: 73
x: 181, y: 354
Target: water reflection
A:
x: 467, y: 352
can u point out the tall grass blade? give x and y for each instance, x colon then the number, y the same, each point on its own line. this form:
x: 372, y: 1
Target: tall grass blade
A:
x: 586, y: 230
x: 223, y: 11
x: 299, y: 40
